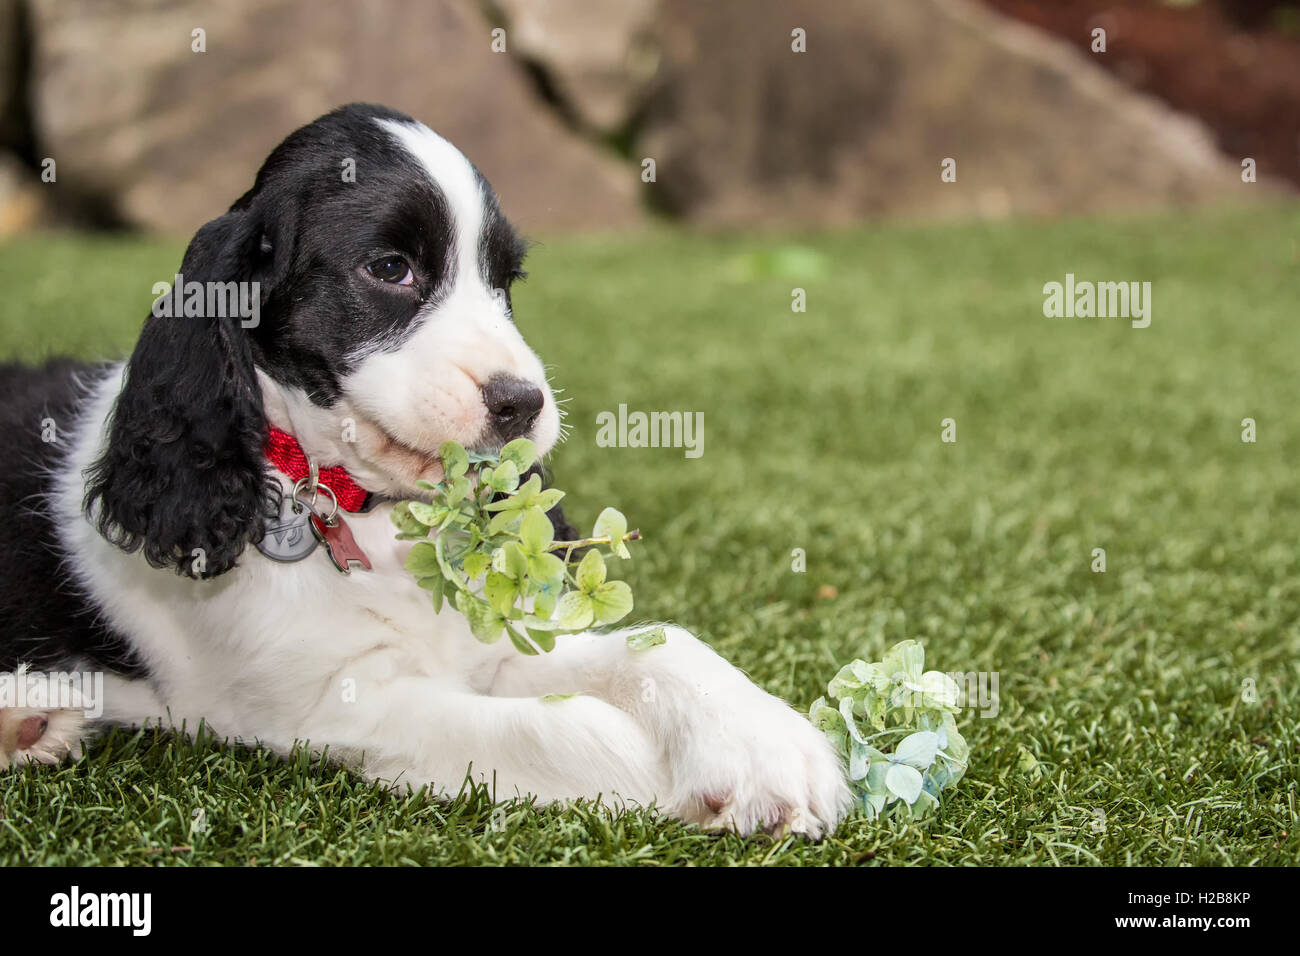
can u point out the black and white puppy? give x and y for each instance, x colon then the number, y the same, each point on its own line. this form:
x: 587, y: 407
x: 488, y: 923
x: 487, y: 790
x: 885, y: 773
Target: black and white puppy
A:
x: 384, y: 329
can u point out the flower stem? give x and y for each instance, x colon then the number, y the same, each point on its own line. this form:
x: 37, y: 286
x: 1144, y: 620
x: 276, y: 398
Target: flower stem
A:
x: 634, y: 535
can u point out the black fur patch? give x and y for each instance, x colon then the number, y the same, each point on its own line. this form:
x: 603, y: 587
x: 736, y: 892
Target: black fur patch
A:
x: 44, y: 620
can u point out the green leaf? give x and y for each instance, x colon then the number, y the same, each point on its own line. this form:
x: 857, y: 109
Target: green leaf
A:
x: 426, y: 514
x: 530, y: 489
x: 448, y: 571
x: 521, y: 452
x: 610, y: 522
x: 613, y: 525
x: 405, y: 521
x: 875, y: 782
x: 547, y: 572
x: 501, y: 523
x: 846, y: 711
x: 546, y: 569
x: 871, y: 805
x: 828, y: 720
x: 903, y: 782
x: 476, y: 565
x: 423, y: 562
x: 859, y: 761
x: 436, y: 586
x: 591, y: 572
x: 548, y: 499
x: 501, y: 592
x: 611, y: 602
x: 925, y: 805
x: 906, y: 658
x: 454, y: 460
x: 510, y: 560
x: 858, y: 680
x: 505, y: 477
x: 534, y: 623
x: 545, y: 640
x: 484, y: 624
x: 450, y: 516
x: 574, y: 611
x: 544, y: 604
x: 917, y: 750
x: 644, y: 640
x: 536, y: 531
x: 458, y: 490
x: 521, y: 499
x: 521, y: 643
x: 958, y: 750
x: 939, y: 690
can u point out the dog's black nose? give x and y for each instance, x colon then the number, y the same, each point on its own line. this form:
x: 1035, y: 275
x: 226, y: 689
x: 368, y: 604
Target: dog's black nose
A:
x: 513, y: 405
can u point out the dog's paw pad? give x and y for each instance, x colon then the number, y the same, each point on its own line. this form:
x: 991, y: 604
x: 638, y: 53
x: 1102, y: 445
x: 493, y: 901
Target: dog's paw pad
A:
x: 716, y: 802
x: 30, y: 730
x: 45, y: 737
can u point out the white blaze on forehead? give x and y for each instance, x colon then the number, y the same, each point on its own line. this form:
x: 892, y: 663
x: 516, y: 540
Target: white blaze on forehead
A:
x: 452, y: 173
x: 427, y: 388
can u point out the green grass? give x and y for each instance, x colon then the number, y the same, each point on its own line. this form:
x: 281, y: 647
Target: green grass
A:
x: 822, y: 433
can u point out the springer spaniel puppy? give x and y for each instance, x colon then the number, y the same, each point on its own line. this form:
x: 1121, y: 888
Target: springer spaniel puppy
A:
x: 143, y: 536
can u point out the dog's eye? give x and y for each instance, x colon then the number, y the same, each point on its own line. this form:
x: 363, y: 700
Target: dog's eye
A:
x: 392, y: 269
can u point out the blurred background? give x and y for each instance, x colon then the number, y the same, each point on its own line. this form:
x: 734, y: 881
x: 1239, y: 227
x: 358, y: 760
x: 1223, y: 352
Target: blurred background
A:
x: 559, y: 102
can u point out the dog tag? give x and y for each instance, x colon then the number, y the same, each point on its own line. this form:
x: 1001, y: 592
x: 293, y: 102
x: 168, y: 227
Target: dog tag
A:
x: 288, y: 536
x: 337, y: 538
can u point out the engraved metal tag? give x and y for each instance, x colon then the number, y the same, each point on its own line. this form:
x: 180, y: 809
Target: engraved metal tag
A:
x: 288, y: 536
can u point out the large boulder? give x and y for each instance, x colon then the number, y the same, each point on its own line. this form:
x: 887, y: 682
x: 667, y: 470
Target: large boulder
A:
x: 744, y: 130
x: 598, y: 54
x: 22, y: 203
x: 22, y: 197
x: 170, y: 137
x: 12, y: 69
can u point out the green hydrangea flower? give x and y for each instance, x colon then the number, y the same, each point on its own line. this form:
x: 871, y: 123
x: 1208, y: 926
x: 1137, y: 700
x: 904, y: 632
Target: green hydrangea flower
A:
x: 893, y: 723
x: 484, y: 543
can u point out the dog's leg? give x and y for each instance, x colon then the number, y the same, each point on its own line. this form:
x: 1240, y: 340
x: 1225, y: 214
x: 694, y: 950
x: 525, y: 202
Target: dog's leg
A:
x: 739, y: 757
x: 417, y: 731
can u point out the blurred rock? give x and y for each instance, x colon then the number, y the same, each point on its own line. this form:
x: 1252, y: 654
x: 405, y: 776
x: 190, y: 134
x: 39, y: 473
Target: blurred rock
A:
x: 11, y: 70
x: 745, y: 131
x: 597, y: 53
x: 171, y: 137
x: 22, y: 202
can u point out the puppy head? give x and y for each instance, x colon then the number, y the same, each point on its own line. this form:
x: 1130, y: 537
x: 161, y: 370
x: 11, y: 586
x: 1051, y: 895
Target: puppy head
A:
x: 383, y: 267
x: 391, y: 330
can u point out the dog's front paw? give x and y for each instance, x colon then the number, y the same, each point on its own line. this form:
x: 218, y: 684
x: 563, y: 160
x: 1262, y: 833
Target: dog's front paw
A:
x: 754, y: 764
x: 38, y: 736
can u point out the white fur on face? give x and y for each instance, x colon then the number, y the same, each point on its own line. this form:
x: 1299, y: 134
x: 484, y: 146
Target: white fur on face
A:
x: 399, y: 406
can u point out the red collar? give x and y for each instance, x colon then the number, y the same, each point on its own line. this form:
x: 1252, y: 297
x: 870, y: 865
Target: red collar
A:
x: 283, y: 451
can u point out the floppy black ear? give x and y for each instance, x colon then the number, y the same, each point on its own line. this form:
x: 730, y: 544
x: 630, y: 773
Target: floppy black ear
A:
x: 183, y: 476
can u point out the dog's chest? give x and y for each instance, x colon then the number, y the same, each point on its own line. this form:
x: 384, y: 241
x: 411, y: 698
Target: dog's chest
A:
x: 384, y: 593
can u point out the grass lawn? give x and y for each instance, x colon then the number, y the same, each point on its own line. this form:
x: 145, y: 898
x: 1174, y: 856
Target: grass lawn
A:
x: 1123, y: 734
